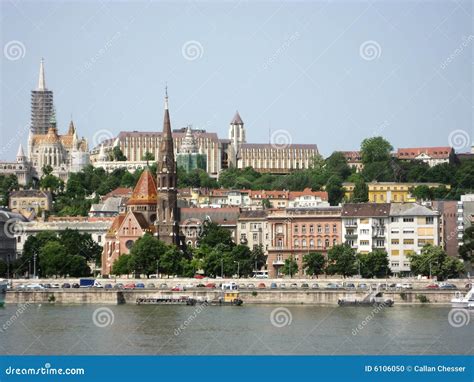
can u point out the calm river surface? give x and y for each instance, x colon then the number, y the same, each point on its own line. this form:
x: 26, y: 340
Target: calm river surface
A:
x: 250, y: 329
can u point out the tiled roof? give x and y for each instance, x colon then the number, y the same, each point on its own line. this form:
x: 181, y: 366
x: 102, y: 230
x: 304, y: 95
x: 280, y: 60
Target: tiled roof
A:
x: 365, y: 209
x: 411, y: 209
x: 442, y: 152
x: 30, y: 194
x: 308, y: 192
x: 223, y: 216
x: 145, y: 190
x: 253, y: 214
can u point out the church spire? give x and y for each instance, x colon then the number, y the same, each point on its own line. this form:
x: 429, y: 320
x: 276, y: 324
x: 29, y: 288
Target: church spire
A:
x: 41, y: 81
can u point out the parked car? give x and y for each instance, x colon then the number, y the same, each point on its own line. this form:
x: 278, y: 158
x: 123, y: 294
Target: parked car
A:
x: 178, y: 288
x: 250, y: 286
x: 362, y: 286
x: 118, y: 286
x: 315, y: 286
x: 350, y: 286
x: 140, y: 285
x: 262, y: 286
x: 35, y: 286
x: 283, y: 286
x: 66, y: 286
x: 151, y: 286
x: 55, y: 286
x: 129, y: 286
x: 47, y: 286
x: 199, y: 277
x: 210, y: 285
x: 448, y: 286
x: 304, y: 286
x: 294, y: 286
x: 200, y: 285
x: 332, y: 286
x: 189, y: 286
x: 242, y: 286
x: 407, y: 286
x: 75, y: 285
x: 432, y: 286
x: 108, y: 286
x: 273, y: 285
x: 163, y: 286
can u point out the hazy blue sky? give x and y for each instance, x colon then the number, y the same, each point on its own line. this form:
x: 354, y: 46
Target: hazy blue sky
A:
x: 330, y: 73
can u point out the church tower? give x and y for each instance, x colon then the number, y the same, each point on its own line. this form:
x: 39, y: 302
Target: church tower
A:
x: 41, y: 105
x: 167, y: 220
x: 237, y: 137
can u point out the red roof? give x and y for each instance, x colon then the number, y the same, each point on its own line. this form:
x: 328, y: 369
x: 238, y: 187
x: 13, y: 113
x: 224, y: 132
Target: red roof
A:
x: 308, y: 192
x: 145, y: 190
x: 442, y: 152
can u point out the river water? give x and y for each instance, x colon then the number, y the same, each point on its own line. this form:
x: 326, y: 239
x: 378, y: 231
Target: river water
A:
x: 250, y: 329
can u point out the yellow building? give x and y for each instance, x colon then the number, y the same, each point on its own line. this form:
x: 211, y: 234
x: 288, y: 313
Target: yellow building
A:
x: 389, y: 192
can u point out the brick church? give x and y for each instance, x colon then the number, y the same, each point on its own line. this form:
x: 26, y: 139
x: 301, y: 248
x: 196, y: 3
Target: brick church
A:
x: 152, y: 208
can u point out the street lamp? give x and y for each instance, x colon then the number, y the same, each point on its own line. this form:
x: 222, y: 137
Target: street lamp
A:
x: 238, y: 269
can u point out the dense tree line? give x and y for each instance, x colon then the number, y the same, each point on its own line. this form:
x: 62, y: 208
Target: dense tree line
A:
x: 66, y: 253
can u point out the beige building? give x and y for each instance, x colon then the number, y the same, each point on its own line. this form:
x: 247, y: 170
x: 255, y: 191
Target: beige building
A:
x: 30, y: 203
x: 252, y: 229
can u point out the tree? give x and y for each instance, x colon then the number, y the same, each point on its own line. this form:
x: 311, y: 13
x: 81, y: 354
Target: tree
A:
x: 219, y: 262
x: 374, y: 264
x: 148, y: 156
x: 258, y: 257
x: 121, y: 266
x: 47, y: 170
x: 290, y: 268
x: 80, y: 244
x: 466, y: 249
x: 3, y: 268
x: 434, y: 260
x: 336, y: 164
x: 422, y: 192
x: 213, y: 234
x: 314, y: 263
x: 145, y: 252
x: 375, y: 149
x: 361, y: 192
x: 335, y: 190
x: 170, y: 261
x: 341, y: 260
x: 118, y: 155
x: 266, y: 203
x: 31, y: 249
x: 52, y: 259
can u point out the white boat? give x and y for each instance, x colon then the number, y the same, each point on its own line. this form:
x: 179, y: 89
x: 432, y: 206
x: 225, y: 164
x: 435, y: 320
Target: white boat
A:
x: 466, y: 301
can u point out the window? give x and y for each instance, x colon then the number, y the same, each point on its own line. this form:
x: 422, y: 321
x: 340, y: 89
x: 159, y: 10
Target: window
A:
x: 242, y: 225
x: 364, y: 242
x: 99, y: 238
x: 320, y: 243
x: 254, y: 236
x: 408, y: 241
x: 311, y: 228
x: 364, y: 231
x: 429, y: 220
x: 279, y: 243
x: 326, y: 243
x: 295, y: 229
x: 326, y: 228
x: 304, y: 243
x: 334, y: 242
x: 334, y: 228
x: 380, y: 243
x: 393, y: 219
x: 303, y: 228
x: 408, y: 220
x: 395, y: 252
x: 296, y: 243
x: 319, y: 228
x: 395, y: 264
x: 395, y: 241
x: 311, y: 243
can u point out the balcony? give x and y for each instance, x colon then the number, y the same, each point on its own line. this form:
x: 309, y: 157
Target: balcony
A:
x: 378, y: 234
x: 350, y: 224
x: 278, y: 262
x: 350, y: 236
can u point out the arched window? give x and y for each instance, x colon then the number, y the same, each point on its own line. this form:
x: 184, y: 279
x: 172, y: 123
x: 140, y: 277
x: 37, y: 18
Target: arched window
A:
x: 311, y: 243
x: 304, y: 243
x: 320, y: 243
x: 296, y: 243
x: 326, y: 243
